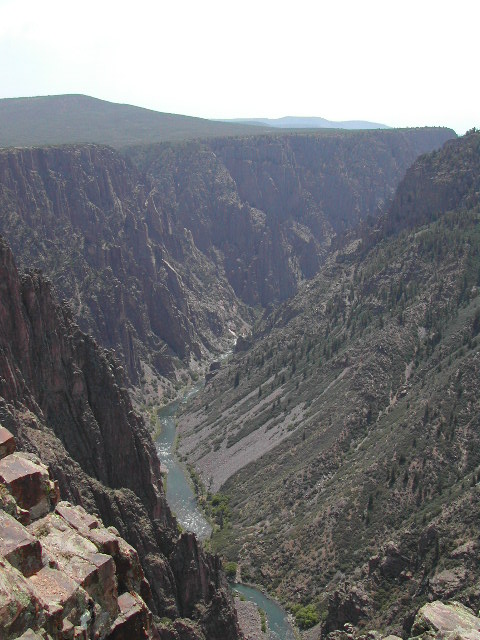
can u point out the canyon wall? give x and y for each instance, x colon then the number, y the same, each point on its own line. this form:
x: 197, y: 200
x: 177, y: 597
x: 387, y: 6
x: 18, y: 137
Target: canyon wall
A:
x: 64, y: 399
x: 163, y: 252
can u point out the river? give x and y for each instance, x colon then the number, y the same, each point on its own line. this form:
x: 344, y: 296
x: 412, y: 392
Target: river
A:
x: 182, y: 501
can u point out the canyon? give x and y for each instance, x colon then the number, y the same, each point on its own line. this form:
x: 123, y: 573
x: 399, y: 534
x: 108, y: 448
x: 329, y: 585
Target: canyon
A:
x: 334, y: 451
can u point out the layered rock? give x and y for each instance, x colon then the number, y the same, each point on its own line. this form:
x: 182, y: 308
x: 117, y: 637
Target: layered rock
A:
x: 64, y: 399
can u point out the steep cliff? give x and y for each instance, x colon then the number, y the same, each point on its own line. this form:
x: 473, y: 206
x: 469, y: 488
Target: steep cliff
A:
x: 63, y: 397
x: 268, y: 206
x: 80, y: 214
x: 161, y: 255
x: 343, y: 437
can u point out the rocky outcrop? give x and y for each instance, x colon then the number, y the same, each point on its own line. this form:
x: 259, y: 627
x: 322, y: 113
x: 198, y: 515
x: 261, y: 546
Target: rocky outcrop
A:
x: 439, y: 620
x: 84, y: 216
x: 346, y: 605
x: 435, y: 620
x: 64, y: 574
x: 64, y: 399
x: 438, y: 182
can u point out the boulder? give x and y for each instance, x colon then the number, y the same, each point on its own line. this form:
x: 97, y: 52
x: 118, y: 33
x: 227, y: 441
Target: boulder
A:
x: 7, y: 442
x: 393, y: 563
x: 447, y: 621
x: 29, y: 482
x: 133, y: 621
x: 20, y: 607
x: 448, y: 582
x: 129, y: 571
x: 78, y: 558
x: 22, y: 550
x: 61, y: 597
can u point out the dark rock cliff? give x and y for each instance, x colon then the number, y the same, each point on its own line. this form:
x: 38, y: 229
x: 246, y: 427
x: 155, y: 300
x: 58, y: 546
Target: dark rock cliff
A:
x: 160, y: 254
x: 268, y: 206
x: 448, y: 180
x: 80, y: 214
x: 63, y: 397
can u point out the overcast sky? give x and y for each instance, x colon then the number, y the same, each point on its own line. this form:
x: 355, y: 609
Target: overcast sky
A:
x: 402, y: 63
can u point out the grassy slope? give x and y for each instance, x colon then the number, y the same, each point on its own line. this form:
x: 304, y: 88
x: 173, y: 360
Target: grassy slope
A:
x: 67, y: 119
x: 380, y: 353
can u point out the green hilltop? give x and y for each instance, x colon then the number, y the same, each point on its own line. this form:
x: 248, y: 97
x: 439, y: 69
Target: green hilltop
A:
x: 70, y: 119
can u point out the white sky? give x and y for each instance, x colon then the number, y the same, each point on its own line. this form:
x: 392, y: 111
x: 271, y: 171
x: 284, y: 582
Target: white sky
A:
x: 403, y: 63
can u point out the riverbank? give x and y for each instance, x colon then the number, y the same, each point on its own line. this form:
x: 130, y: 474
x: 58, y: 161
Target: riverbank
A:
x: 249, y: 619
x: 184, y: 504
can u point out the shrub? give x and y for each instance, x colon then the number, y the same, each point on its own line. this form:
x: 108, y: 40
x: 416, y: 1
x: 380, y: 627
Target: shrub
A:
x: 307, y: 616
x: 230, y: 569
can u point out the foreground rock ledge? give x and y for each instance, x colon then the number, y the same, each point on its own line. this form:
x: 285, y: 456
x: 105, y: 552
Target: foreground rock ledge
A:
x: 64, y: 575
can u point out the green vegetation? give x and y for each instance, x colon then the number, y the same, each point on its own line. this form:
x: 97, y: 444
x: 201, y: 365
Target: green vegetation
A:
x: 366, y: 387
x: 306, y: 616
x: 263, y: 620
x: 230, y: 569
x: 70, y: 119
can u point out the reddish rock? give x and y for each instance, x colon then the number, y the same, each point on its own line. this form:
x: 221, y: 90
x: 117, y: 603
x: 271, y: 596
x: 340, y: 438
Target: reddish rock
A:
x: 29, y: 482
x: 7, y: 442
x: 59, y: 594
x: 22, y: 550
x: 134, y: 619
x: 448, y: 582
x: 90, y: 527
x: 77, y: 517
x: 20, y: 607
x: 78, y: 558
x: 448, y: 621
x: 129, y: 570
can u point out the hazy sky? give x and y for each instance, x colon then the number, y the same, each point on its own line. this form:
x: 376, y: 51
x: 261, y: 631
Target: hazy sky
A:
x: 403, y: 63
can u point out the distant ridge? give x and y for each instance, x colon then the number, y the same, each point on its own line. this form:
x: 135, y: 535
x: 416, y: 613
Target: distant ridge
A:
x: 68, y: 119
x: 293, y: 122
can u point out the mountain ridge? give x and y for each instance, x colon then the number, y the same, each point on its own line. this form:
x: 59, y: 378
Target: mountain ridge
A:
x: 306, y: 122
x: 77, y: 119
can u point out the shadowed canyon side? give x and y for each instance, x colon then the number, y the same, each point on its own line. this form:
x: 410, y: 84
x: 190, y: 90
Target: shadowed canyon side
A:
x: 81, y: 214
x: 162, y: 254
x: 349, y: 419
x: 63, y: 397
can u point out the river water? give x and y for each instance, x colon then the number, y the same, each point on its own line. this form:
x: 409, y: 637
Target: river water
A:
x: 183, y: 503
x: 180, y: 495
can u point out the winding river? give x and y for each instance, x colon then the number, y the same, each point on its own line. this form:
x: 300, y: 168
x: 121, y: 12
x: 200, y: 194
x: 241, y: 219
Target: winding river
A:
x: 183, y: 503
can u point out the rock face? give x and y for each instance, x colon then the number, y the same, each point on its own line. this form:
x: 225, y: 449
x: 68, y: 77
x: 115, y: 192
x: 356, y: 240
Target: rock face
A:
x: 81, y: 215
x: 63, y: 398
x: 159, y: 254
